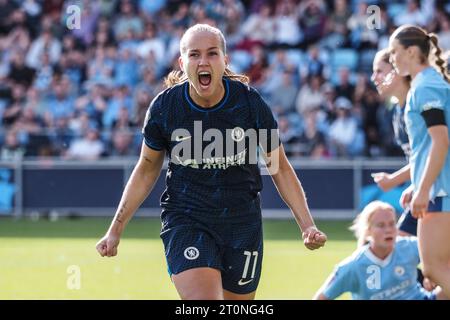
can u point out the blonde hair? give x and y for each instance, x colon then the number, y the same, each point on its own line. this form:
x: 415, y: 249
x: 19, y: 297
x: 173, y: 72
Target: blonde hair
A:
x: 176, y: 76
x: 362, y: 222
x: 385, y: 56
x: 410, y: 35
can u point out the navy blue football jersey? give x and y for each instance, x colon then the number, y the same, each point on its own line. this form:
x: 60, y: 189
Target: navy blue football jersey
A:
x: 212, y: 151
x: 401, y: 135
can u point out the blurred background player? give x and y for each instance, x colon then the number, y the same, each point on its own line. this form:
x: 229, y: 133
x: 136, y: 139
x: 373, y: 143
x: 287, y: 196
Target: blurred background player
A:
x: 384, y: 267
x: 389, y: 84
x: 211, y: 217
x: 427, y: 114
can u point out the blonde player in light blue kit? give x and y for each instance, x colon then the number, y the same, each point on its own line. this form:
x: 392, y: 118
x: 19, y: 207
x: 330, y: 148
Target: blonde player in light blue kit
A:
x: 416, y: 53
x: 384, y: 267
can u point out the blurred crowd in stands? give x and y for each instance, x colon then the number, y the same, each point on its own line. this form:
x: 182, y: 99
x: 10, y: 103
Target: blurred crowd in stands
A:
x: 83, y: 93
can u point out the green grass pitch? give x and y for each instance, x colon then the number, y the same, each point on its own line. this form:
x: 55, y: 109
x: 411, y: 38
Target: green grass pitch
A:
x: 39, y: 260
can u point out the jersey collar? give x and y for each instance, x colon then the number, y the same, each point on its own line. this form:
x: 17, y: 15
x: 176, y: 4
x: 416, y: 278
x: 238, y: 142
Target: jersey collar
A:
x: 196, y: 107
x: 420, y: 76
x: 381, y: 262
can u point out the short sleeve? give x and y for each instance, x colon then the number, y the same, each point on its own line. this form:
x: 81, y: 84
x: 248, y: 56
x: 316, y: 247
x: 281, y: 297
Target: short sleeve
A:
x: 413, y: 247
x: 153, y: 124
x: 427, y: 98
x: 266, y: 125
x: 339, y: 282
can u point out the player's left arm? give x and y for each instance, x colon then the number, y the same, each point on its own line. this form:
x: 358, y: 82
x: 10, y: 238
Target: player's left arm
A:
x: 430, y: 103
x: 434, y: 164
x: 291, y: 191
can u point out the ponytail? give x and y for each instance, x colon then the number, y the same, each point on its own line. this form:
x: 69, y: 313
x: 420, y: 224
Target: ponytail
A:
x: 174, y: 77
x: 439, y: 63
x: 410, y: 35
x: 236, y: 76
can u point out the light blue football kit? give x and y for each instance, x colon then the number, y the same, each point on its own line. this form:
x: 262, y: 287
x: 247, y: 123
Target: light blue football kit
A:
x: 428, y: 91
x: 367, y: 277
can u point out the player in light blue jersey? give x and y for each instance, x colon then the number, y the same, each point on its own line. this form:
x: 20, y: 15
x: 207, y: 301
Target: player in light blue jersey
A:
x: 389, y: 84
x: 384, y: 267
x: 416, y: 53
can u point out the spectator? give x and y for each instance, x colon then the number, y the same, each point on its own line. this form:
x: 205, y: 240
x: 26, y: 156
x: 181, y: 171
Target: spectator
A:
x: 107, y: 7
x: 152, y: 45
x: 344, y: 130
x: 74, y: 78
x: 181, y: 17
x: 31, y: 128
x: 310, y: 96
x: 344, y: 88
x: 61, y: 136
x: 17, y: 40
x: 288, y: 136
x: 234, y: 13
x: 259, y: 28
x: 312, y: 141
x: 14, y: 109
x: 11, y: 150
x: 123, y: 120
x: 80, y: 123
x: 19, y: 72
x: 126, y: 69
x: 413, y: 15
x: 34, y: 101
x: 337, y: 21
x: 142, y: 100
x: 370, y: 123
x: 259, y: 65
x: 151, y: 8
x: 444, y: 33
x: 122, y: 144
x: 60, y: 104
x: 274, y: 73
x: 287, y: 31
x: 127, y: 21
x: 120, y: 99
x: 46, y: 42
x: 94, y: 102
x: 44, y: 74
x: 88, y: 147
x: 284, y: 95
x: 90, y: 12
x: 6, y: 9
x: 361, y: 37
x: 328, y: 108
x: 100, y: 69
x: 312, y: 14
x: 313, y: 65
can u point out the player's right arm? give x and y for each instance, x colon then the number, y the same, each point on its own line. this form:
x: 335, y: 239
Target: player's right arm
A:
x: 141, y: 182
x: 320, y: 296
x: 388, y: 181
x: 341, y: 280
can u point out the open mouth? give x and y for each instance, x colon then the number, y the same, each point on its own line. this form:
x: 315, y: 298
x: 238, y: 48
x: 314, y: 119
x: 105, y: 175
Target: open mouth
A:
x: 204, y: 78
x: 389, y: 238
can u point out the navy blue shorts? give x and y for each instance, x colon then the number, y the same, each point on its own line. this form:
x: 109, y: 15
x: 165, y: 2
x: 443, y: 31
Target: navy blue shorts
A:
x: 407, y: 223
x: 439, y: 204
x: 233, y: 247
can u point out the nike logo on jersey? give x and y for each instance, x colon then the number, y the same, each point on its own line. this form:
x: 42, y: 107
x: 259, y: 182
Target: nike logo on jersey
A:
x: 243, y: 283
x: 181, y: 138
